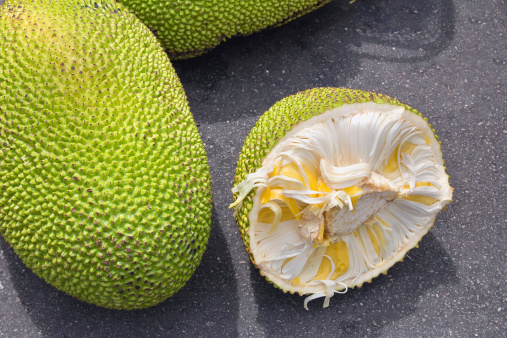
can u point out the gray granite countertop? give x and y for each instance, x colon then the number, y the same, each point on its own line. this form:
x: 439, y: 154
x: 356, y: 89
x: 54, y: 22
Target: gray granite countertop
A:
x: 445, y: 58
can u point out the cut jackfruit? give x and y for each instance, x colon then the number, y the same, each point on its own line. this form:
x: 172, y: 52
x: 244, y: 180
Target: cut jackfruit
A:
x: 104, y: 183
x: 365, y: 174
x: 190, y: 28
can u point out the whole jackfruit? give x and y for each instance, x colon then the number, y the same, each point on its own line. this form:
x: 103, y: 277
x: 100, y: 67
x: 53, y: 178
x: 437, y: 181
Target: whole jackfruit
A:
x: 104, y: 183
x: 189, y: 28
x: 334, y: 186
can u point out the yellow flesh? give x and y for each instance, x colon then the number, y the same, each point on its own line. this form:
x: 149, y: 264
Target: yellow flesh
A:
x: 422, y: 199
x: 392, y: 163
x: 340, y: 255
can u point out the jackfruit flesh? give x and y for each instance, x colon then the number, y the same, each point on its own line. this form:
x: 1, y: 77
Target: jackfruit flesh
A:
x: 359, y: 180
x: 190, y: 28
x: 104, y: 181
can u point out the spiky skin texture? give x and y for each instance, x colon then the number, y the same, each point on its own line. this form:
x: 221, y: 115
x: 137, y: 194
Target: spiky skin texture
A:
x: 277, y: 121
x: 189, y: 28
x: 104, y: 183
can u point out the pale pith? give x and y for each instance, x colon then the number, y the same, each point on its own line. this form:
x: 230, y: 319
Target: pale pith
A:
x: 343, y: 196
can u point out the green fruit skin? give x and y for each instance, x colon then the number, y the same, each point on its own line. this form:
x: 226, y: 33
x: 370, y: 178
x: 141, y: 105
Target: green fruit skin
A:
x: 277, y: 121
x: 105, y: 189
x: 188, y: 28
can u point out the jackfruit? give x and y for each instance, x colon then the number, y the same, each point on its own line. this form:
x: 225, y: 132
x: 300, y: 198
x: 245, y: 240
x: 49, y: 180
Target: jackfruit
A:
x: 190, y: 28
x: 104, y: 184
x: 333, y: 187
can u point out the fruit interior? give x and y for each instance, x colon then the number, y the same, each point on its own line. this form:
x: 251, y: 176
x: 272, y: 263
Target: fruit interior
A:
x: 343, y: 196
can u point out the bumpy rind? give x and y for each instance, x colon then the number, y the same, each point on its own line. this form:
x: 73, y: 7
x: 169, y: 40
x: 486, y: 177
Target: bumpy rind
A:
x: 105, y: 189
x: 190, y: 28
x: 280, y: 119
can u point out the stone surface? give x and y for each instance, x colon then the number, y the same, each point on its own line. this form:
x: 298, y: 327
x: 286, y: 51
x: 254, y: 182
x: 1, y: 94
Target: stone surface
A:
x: 448, y: 59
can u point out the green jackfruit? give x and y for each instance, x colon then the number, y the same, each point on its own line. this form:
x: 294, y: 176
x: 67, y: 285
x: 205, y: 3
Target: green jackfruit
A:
x: 189, y: 28
x: 334, y: 186
x: 104, y: 184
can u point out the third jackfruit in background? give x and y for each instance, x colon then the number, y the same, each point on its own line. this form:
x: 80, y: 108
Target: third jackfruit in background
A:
x: 190, y: 28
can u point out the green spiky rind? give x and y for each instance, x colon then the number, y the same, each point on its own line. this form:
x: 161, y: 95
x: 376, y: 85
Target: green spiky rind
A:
x: 280, y: 119
x: 105, y: 189
x: 190, y: 28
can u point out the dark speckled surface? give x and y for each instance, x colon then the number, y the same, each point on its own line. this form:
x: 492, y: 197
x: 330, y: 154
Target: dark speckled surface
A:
x: 445, y: 58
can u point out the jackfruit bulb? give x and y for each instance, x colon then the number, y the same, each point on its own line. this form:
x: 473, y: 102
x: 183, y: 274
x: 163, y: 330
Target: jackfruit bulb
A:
x: 189, y: 28
x: 334, y: 186
x: 104, y: 181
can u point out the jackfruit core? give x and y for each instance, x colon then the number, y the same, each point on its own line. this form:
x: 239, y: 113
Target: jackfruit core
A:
x: 343, y: 196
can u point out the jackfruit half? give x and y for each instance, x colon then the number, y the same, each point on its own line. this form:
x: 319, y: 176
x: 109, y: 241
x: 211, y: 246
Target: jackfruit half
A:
x: 190, y: 28
x: 104, y: 183
x: 333, y: 187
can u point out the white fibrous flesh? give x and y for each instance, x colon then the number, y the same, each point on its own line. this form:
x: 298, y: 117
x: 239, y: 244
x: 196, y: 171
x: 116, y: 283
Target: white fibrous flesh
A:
x: 343, y: 196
